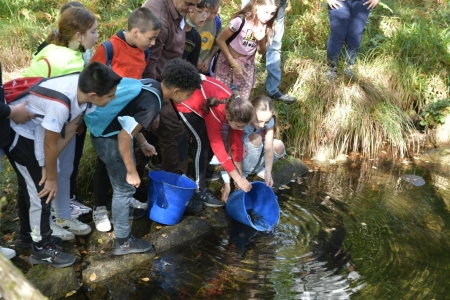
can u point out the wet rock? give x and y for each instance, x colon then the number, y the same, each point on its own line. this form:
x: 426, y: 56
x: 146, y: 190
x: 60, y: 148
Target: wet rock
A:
x: 54, y: 283
x: 217, y: 217
x: 286, y: 170
x: 166, y: 237
x: 438, y: 155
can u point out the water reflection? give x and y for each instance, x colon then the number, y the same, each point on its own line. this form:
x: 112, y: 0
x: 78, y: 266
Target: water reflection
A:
x: 345, y: 232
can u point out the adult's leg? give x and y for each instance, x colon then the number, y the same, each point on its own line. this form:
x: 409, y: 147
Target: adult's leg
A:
x: 358, y: 20
x: 172, y: 140
x: 339, y: 24
x: 79, y: 145
x: 108, y: 151
x: 273, y: 55
x: 202, y: 149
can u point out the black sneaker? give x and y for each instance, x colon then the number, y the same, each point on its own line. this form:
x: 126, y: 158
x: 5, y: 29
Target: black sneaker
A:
x: 136, y: 213
x: 50, y: 254
x: 212, y: 176
x: 195, y: 206
x: 25, y: 242
x: 279, y: 96
x: 208, y: 198
x: 133, y: 245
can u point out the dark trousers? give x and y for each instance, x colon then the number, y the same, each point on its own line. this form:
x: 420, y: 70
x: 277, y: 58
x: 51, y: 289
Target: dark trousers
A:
x: 201, y: 148
x: 173, y: 140
x: 346, y: 26
x: 34, y: 213
x: 79, y: 144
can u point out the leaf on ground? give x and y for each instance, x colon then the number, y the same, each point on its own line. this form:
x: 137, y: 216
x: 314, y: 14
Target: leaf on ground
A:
x: 158, y: 227
x: 145, y: 279
x: 100, y: 241
x: 164, y: 235
x: 70, y: 293
x: 93, y: 277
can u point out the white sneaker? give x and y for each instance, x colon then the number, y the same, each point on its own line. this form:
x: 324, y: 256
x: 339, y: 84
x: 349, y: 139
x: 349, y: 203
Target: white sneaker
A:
x: 73, y: 225
x: 60, y: 232
x: 134, y: 203
x: 8, y: 253
x: 101, y: 220
x: 79, y: 206
x: 262, y: 174
x: 214, y: 161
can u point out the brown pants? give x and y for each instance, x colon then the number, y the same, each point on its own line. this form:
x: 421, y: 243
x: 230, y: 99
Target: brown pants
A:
x: 173, y: 140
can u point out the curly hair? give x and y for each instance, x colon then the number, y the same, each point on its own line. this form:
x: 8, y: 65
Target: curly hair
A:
x: 181, y: 74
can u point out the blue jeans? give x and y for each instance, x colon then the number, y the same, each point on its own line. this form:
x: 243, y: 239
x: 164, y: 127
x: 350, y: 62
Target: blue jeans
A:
x: 108, y: 151
x: 346, y: 26
x: 273, y: 55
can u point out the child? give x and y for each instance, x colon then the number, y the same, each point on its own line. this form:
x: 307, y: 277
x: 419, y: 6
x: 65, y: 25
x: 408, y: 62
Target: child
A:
x: 193, y: 41
x: 129, y: 45
x: 208, y: 33
x: 181, y: 79
x: 212, y: 122
x: 34, y: 158
x: 77, y: 31
x: 236, y: 61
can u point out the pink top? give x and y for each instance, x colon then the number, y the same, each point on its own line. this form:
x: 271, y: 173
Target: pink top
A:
x: 245, y: 43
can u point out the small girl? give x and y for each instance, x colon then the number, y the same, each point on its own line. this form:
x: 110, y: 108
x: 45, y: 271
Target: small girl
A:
x: 247, y: 31
x: 62, y: 55
x: 216, y: 117
x: 261, y: 150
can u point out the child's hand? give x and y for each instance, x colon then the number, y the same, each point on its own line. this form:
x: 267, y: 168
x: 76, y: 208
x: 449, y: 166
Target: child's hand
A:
x: 259, y: 32
x: 243, y: 184
x: 148, y: 149
x: 50, y: 187
x: 206, y: 65
x: 237, y: 71
x: 200, y: 65
x: 268, y: 179
x: 334, y: 4
x: 226, y: 192
x: 133, y: 179
x: 81, y: 128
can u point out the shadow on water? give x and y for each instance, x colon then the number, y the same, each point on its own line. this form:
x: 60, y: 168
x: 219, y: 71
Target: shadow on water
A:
x: 345, y: 232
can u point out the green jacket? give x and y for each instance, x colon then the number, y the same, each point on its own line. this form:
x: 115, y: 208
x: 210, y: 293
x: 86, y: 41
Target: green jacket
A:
x: 55, y: 61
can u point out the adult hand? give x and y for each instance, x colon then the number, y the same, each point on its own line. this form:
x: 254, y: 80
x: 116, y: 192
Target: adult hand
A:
x: 371, y: 3
x: 133, y: 179
x: 148, y: 150
x: 20, y: 114
x: 226, y: 192
x: 243, y: 184
x: 334, y: 4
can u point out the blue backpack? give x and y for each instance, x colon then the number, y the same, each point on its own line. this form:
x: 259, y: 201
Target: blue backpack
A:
x: 127, y: 90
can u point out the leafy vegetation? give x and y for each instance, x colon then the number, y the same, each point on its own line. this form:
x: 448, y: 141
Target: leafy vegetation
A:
x: 435, y: 113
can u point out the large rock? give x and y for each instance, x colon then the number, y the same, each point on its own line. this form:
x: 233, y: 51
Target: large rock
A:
x: 438, y: 155
x: 54, y: 283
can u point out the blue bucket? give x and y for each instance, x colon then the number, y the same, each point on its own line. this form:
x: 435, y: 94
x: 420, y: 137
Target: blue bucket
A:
x: 258, y: 208
x: 168, y: 195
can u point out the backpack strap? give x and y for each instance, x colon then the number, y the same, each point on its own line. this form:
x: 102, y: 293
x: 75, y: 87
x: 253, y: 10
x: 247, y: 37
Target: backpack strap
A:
x: 109, y: 52
x: 147, y: 55
x: 218, y: 24
x: 147, y: 84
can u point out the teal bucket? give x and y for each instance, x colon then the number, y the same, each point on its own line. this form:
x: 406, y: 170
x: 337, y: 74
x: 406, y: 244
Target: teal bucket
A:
x: 258, y: 208
x: 168, y: 196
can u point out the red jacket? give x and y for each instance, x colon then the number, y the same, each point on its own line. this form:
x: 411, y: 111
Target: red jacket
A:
x: 212, y: 88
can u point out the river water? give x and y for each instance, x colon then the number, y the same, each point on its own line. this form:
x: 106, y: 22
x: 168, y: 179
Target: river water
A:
x: 355, y: 231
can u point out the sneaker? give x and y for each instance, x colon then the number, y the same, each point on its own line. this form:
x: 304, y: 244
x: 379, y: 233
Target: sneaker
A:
x: 101, y: 220
x: 195, y: 206
x: 73, y: 225
x: 77, y: 204
x: 133, y: 245
x: 261, y: 174
x: 138, y: 204
x: 60, y: 232
x: 49, y: 254
x: 279, y: 96
x: 214, y: 161
x: 8, y: 253
x: 349, y: 72
x: 331, y: 74
x: 208, y: 198
x: 25, y: 242
x: 212, y: 176
x: 136, y: 213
